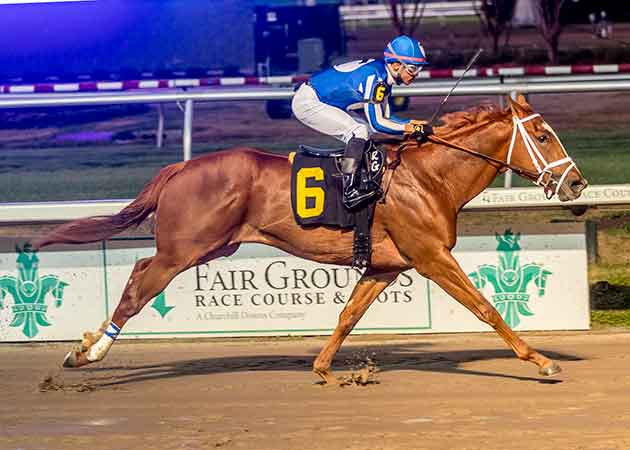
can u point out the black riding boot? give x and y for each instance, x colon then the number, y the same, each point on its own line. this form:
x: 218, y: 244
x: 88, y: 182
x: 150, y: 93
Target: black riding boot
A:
x: 352, y: 195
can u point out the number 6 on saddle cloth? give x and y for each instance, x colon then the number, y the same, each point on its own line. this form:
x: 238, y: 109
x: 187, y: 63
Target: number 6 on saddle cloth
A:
x: 316, y: 193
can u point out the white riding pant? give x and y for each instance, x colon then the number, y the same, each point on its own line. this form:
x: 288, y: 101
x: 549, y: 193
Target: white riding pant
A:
x: 324, y: 118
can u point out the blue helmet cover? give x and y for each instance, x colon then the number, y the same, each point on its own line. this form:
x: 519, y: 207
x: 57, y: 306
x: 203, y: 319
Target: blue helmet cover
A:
x: 406, y: 50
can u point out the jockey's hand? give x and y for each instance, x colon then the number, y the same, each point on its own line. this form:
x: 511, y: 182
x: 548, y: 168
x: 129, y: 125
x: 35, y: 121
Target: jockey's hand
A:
x: 414, y: 126
x: 419, y: 129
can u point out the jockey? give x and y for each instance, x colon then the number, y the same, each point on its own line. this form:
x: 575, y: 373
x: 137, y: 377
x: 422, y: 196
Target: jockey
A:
x: 323, y: 104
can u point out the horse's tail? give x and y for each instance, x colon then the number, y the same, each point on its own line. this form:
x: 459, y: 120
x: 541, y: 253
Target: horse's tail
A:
x: 98, y: 228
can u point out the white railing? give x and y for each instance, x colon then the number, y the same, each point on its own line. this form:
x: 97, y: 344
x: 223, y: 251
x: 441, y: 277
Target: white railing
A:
x: 187, y: 97
x: 382, y: 11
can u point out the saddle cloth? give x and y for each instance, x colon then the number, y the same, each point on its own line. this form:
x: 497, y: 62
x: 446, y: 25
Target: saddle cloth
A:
x: 316, y: 186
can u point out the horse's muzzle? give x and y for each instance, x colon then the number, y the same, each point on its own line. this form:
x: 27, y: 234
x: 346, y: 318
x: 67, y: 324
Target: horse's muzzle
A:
x: 572, y: 189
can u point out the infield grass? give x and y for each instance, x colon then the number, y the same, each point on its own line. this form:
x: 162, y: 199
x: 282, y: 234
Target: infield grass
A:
x: 610, y: 318
x: 120, y: 171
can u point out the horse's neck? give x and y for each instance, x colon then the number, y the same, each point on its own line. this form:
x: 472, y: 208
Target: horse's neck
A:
x: 467, y: 175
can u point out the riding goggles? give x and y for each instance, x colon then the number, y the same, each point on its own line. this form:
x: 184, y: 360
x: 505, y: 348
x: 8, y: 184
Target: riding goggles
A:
x: 412, y: 69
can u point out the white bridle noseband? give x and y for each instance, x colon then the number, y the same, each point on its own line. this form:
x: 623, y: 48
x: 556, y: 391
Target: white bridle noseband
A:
x: 545, y: 176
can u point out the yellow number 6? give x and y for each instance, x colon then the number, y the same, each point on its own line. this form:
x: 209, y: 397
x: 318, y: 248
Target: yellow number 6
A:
x: 379, y: 95
x: 304, y: 192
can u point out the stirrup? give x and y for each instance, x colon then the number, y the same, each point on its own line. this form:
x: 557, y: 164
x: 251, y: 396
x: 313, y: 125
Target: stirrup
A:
x: 357, y: 198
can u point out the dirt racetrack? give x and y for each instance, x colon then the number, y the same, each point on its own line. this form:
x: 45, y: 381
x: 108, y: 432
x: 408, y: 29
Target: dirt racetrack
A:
x: 431, y: 392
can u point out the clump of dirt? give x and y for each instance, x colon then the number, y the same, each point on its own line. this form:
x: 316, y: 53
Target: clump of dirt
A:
x: 56, y: 383
x: 364, y: 372
x: 222, y: 442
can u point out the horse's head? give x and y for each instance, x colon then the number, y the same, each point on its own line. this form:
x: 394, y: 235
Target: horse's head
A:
x: 536, y: 147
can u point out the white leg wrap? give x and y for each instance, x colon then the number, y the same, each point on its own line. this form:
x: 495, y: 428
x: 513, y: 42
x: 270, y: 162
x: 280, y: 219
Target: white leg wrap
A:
x: 101, y: 347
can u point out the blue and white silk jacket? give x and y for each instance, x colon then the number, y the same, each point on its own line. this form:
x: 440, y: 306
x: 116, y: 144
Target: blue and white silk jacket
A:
x: 360, y: 84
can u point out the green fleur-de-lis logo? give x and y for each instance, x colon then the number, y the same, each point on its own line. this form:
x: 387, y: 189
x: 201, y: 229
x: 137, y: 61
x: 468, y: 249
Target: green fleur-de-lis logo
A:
x: 29, y: 292
x: 510, y: 280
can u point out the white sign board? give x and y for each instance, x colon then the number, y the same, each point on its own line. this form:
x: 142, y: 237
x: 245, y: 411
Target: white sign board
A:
x: 253, y: 295
x: 50, y: 296
x: 608, y: 194
x: 536, y: 282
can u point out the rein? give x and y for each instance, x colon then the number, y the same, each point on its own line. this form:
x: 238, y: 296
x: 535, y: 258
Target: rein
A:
x: 543, y: 176
x: 502, y: 164
x: 530, y: 175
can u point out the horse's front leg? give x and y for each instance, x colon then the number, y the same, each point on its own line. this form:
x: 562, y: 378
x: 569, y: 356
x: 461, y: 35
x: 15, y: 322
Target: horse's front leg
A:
x: 446, y: 272
x: 365, y: 292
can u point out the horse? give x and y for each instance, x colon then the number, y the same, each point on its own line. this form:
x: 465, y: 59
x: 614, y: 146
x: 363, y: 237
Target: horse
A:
x: 206, y: 207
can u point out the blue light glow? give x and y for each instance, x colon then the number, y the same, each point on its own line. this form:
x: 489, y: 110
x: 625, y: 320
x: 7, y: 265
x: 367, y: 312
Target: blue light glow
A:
x: 123, y: 38
x: 25, y: 2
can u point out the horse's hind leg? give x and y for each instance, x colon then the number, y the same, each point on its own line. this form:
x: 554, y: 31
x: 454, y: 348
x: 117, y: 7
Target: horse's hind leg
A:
x: 90, y: 338
x: 149, y: 277
x: 365, y: 292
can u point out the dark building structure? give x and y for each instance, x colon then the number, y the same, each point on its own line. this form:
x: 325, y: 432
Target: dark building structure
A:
x: 125, y: 39
x: 291, y: 36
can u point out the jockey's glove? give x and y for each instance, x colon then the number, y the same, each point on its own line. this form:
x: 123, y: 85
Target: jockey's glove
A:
x: 414, y: 126
x: 419, y: 129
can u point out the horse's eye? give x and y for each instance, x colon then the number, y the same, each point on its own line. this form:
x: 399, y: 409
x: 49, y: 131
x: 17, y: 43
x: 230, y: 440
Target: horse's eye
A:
x: 543, y: 138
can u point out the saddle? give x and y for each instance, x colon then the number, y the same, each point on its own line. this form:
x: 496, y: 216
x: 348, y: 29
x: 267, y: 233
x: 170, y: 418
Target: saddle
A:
x: 316, y: 194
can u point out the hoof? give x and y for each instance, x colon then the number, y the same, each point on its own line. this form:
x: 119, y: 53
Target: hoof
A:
x: 550, y: 370
x: 326, y: 376
x: 75, y: 359
x: 70, y: 360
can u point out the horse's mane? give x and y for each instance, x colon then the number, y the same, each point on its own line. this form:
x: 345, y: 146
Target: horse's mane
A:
x: 477, y: 114
x: 458, y: 121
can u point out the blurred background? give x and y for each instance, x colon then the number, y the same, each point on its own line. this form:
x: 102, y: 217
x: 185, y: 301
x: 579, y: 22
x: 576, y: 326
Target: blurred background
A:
x: 110, y: 151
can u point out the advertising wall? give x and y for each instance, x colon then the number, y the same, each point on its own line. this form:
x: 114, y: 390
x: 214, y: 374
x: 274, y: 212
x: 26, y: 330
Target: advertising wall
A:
x: 536, y: 280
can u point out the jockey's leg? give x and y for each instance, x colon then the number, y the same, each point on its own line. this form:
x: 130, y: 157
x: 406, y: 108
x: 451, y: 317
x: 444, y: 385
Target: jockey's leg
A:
x: 365, y: 292
x: 326, y: 119
x: 337, y: 123
x: 350, y: 164
x: 446, y: 272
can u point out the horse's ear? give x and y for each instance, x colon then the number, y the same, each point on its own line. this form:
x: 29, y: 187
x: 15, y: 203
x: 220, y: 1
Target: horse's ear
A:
x: 519, y: 105
x: 516, y: 106
x: 521, y: 100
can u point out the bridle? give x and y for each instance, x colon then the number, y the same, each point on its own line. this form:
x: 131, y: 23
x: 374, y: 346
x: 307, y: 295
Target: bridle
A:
x: 540, y: 163
x: 543, y: 176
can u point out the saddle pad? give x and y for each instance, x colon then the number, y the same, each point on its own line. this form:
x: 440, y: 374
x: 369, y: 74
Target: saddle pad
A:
x: 316, y: 193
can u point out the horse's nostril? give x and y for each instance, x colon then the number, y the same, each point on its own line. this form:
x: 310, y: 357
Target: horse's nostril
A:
x: 578, y: 185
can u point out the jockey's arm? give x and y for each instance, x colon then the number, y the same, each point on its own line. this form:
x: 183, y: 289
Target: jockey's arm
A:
x: 381, y: 120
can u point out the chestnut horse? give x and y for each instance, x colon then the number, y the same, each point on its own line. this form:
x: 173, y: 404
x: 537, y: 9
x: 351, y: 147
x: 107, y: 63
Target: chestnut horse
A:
x: 207, y: 207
